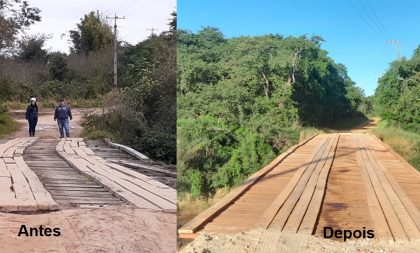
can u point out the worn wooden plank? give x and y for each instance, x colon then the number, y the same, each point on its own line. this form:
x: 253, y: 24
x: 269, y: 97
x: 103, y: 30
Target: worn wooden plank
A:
x: 135, y: 189
x: 4, y: 172
x: 144, y: 182
x: 129, y: 150
x: 147, y: 167
x: 163, y: 196
x: 42, y: 196
x: 21, y: 188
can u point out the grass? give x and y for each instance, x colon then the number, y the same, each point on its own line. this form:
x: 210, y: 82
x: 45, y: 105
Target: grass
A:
x: 189, y: 207
x: 308, y: 132
x: 405, y: 143
x: 7, y: 125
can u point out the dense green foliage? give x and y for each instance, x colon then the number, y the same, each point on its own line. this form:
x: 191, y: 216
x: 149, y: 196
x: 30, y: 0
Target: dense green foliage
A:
x: 242, y: 101
x: 397, y: 98
x: 142, y: 113
x: 85, y: 73
x: 92, y: 34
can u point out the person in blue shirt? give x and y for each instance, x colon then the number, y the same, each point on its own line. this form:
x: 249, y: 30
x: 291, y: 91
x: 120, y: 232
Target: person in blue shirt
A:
x: 62, y: 115
x: 32, y: 116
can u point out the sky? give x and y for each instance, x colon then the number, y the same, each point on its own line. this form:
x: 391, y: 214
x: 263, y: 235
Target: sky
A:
x: 355, y: 31
x: 59, y: 17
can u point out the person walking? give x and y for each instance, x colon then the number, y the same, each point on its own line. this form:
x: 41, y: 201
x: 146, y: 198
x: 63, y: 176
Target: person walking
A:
x: 62, y: 115
x: 32, y: 116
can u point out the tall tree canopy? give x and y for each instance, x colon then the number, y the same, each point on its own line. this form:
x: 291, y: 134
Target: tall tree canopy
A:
x: 242, y: 100
x: 92, y: 34
x: 15, y: 16
x: 30, y: 48
x: 397, y: 96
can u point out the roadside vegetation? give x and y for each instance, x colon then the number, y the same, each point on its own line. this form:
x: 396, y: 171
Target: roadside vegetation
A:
x: 397, y: 102
x: 140, y: 112
x: 405, y: 143
x: 242, y: 101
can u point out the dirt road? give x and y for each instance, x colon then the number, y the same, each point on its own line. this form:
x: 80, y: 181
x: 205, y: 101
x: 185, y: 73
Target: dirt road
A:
x: 103, y: 229
x: 91, y: 230
x: 47, y: 127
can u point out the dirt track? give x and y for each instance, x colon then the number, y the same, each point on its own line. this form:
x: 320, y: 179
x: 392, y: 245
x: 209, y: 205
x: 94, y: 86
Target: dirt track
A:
x: 92, y: 230
x: 105, y: 229
x: 47, y: 127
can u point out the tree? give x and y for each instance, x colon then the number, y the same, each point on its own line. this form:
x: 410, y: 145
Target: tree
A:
x: 241, y: 101
x: 57, y: 66
x: 91, y: 34
x: 396, y: 96
x: 30, y: 48
x: 15, y: 16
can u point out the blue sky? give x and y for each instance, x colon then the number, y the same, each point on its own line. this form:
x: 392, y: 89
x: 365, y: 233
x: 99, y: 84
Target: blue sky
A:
x: 355, y: 31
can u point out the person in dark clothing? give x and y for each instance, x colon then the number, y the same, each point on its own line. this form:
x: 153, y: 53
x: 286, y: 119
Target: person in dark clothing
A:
x: 32, y: 116
x: 62, y: 115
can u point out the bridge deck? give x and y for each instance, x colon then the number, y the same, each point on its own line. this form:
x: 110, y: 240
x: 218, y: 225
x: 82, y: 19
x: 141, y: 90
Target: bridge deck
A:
x: 346, y: 181
x: 20, y: 188
x: 137, y: 188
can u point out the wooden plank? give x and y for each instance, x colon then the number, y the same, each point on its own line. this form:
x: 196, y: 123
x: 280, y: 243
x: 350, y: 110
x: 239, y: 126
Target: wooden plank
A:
x: 21, y: 187
x: 147, y: 167
x: 48, y: 163
x: 5, y: 146
x: 309, y: 221
x: 162, y: 195
x: 269, y: 214
x: 119, y: 179
x: 82, y: 165
x: 394, y: 224
x: 8, y: 200
x: 7, y: 194
x: 197, y: 222
x: 8, y: 160
x: 129, y: 150
x: 409, y: 225
x: 376, y: 213
x: 42, y: 196
x: 280, y: 218
x: 4, y: 172
x: 145, y: 182
x: 67, y: 147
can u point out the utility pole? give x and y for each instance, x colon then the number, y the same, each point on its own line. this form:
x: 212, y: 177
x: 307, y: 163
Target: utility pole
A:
x: 115, y: 47
x: 397, y: 43
x: 152, y: 30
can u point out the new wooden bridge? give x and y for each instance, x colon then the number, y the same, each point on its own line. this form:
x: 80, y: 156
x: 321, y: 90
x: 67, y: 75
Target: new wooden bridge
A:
x: 49, y: 174
x: 342, y: 180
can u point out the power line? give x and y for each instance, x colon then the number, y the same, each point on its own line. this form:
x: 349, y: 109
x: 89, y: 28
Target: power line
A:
x: 374, y: 21
x: 364, y: 20
x: 378, y: 20
x: 126, y: 7
x: 138, y: 9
